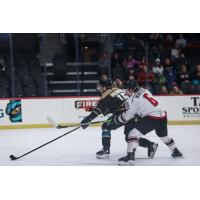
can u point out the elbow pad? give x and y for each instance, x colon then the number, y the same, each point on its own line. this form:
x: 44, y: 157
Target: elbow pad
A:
x: 94, y: 113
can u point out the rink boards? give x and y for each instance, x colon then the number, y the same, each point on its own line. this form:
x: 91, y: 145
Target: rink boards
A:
x: 32, y: 112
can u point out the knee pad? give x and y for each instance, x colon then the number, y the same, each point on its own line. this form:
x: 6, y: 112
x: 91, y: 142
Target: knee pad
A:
x: 134, y: 133
x: 128, y: 128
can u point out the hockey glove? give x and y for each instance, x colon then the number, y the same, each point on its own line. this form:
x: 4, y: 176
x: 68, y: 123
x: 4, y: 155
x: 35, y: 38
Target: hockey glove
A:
x: 85, y: 122
x: 113, y: 123
x: 137, y: 118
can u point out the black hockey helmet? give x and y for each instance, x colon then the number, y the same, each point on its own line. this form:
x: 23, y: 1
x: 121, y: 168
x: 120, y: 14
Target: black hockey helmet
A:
x: 132, y: 84
x: 106, y: 83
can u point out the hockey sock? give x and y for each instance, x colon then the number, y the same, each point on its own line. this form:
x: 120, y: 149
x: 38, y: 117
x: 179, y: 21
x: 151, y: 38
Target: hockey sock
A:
x: 169, y: 142
x: 143, y: 142
x: 132, y: 141
x: 106, y: 137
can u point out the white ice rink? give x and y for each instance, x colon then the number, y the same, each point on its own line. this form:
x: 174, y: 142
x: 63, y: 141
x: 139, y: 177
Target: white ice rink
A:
x: 79, y: 147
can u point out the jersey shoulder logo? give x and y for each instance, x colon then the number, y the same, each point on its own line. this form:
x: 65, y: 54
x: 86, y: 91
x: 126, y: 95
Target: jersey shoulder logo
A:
x: 138, y: 94
x: 115, y: 93
x: 108, y: 92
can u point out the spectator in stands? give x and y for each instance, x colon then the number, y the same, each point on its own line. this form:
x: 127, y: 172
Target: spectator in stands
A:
x: 163, y: 90
x: 135, y: 46
x: 175, y: 52
x: 169, y: 38
x: 181, y: 60
x: 132, y: 43
x: 196, y: 80
x: 104, y: 77
x: 2, y: 64
x: 169, y: 41
x: 130, y: 64
x: 119, y: 42
x: 156, y: 38
x: 181, y: 41
x: 131, y: 73
x: 159, y: 78
x: 176, y: 90
x: 158, y: 68
x: 183, y: 80
x: 154, y: 53
x: 169, y: 73
x: 116, y: 66
x: 130, y: 77
x: 145, y: 78
x: 118, y: 83
x: 104, y: 64
x: 143, y: 61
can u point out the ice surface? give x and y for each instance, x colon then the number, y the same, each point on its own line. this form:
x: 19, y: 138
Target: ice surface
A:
x: 79, y: 147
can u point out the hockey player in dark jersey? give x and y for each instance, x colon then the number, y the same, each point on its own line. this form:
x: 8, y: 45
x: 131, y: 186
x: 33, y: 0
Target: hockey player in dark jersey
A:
x: 112, y: 101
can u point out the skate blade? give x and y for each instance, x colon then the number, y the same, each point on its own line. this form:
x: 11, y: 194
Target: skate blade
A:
x: 180, y: 157
x: 129, y: 163
x: 153, y: 153
x: 103, y: 156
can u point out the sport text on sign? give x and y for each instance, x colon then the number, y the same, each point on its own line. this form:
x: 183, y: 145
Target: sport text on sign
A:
x: 88, y: 105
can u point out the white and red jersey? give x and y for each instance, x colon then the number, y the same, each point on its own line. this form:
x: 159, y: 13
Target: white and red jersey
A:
x: 142, y: 103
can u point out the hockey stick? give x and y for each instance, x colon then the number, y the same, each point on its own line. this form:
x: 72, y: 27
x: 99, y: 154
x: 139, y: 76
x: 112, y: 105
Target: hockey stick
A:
x: 12, y: 157
x: 58, y: 126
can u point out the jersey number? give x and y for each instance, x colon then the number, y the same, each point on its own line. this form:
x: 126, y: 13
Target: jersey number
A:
x: 150, y: 99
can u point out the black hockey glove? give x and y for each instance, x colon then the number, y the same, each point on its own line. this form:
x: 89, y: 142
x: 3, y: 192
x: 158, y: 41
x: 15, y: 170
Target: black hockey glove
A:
x: 85, y: 122
x: 113, y: 123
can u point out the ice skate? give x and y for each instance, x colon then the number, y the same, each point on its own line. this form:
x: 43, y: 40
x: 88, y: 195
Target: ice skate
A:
x: 152, y: 150
x: 102, y: 154
x: 128, y: 160
x: 176, y: 153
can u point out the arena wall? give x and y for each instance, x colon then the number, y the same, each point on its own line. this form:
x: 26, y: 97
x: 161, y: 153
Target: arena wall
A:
x: 182, y: 110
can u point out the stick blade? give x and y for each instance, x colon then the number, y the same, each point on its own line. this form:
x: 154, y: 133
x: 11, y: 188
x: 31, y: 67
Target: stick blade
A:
x: 52, y: 122
x: 12, y: 157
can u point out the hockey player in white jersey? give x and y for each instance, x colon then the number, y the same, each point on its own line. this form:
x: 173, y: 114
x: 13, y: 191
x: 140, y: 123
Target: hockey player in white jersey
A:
x: 146, y: 114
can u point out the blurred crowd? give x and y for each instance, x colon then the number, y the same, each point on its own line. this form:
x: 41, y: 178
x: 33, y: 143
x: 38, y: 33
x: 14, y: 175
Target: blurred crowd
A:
x: 163, y: 63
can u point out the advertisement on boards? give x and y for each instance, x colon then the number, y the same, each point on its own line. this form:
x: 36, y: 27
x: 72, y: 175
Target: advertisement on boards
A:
x: 11, y: 111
